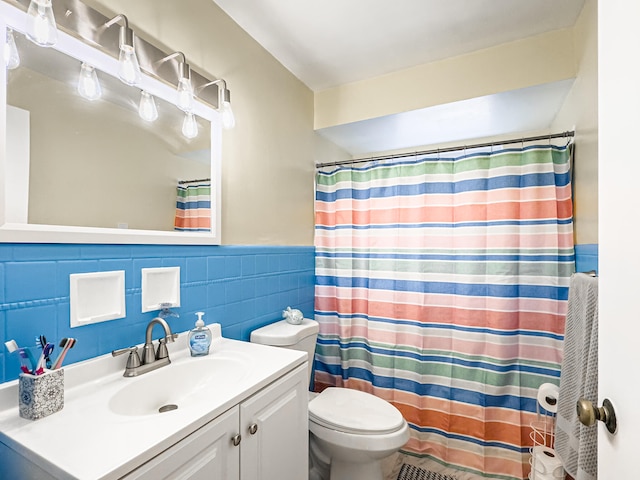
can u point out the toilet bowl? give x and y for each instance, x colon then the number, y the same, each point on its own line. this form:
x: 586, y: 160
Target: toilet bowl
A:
x: 355, y: 430
x: 350, y: 431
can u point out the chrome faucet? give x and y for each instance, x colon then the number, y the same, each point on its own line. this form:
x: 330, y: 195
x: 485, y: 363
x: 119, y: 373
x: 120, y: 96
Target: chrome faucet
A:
x: 151, y: 360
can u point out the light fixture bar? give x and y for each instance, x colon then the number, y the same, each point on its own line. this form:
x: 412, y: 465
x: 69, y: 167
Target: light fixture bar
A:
x: 87, y: 25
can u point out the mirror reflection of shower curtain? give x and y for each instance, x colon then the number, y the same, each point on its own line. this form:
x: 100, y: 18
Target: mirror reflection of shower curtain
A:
x: 193, y: 207
x: 441, y: 286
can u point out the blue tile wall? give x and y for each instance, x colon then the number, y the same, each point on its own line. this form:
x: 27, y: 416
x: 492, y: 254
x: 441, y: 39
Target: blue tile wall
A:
x: 586, y: 257
x: 240, y: 287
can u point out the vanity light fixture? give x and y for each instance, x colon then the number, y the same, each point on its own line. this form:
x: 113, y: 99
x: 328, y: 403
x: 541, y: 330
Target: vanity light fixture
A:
x: 185, y: 88
x: 88, y: 84
x: 224, y: 103
x: 11, y: 56
x: 41, y: 24
x: 189, y: 125
x: 129, y: 70
x: 147, y: 108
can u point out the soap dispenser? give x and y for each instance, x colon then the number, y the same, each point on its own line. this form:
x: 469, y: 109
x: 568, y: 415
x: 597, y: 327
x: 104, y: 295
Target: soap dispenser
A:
x: 199, y: 338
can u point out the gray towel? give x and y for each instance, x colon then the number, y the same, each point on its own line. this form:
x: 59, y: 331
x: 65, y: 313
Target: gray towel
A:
x: 576, y: 444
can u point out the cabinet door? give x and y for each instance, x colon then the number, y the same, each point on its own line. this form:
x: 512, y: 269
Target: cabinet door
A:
x: 206, y: 454
x: 275, y: 431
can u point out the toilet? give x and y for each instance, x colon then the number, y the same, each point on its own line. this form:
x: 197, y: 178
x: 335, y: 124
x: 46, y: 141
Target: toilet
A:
x: 350, y: 431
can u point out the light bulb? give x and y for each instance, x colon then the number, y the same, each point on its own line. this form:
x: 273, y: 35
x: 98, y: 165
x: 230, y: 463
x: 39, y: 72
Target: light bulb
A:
x: 147, y: 108
x: 129, y: 71
x: 88, y: 84
x: 11, y: 56
x: 189, y: 125
x: 185, y: 95
x: 228, y: 119
x: 41, y: 24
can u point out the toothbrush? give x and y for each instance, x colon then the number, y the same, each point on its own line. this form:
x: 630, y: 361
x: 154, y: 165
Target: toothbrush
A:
x: 26, y: 360
x: 65, y: 345
x: 41, y: 341
x: 11, y: 345
x: 44, y: 357
x: 26, y: 353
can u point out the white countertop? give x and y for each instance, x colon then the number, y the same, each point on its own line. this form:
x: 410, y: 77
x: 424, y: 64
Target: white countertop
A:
x: 87, y: 440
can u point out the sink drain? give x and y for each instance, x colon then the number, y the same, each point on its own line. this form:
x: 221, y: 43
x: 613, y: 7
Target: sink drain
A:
x: 167, y: 408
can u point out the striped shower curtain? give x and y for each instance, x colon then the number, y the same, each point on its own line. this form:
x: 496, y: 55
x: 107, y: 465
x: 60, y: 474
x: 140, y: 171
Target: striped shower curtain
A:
x: 193, y: 207
x: 441, y: 286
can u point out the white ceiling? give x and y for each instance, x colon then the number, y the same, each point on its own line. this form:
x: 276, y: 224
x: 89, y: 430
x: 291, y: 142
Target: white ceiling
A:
x: 331, y: 42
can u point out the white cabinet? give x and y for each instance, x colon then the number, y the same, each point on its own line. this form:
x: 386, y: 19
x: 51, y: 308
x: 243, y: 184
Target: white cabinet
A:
x: 206, y: 454
x: 275, y: 433
x: 265, y: 437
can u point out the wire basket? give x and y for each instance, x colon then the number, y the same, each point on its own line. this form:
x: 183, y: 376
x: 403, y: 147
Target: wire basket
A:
x: 542, y: 437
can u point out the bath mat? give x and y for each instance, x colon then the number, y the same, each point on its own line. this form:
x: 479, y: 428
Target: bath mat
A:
x: 409, y: 472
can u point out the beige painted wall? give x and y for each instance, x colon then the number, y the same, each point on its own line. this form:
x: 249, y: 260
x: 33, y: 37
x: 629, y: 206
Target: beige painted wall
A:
x: 524, y: 63
x: 268, y: 158
x: 537, y: 60
x: 581, y: 110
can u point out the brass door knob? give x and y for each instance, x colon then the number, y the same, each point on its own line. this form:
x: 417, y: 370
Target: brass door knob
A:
x: 588, y: 414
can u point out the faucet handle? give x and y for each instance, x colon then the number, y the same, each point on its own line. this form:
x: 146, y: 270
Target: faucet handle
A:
x: 134, y: 359
x: 121, y: 351
x: 163, y: 351
x: 171, y: 338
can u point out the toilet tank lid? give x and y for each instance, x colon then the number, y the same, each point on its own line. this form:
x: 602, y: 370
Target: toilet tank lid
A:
x: 283, y: 333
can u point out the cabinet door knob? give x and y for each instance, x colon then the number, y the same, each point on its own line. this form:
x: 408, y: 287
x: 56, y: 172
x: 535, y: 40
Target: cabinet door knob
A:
x: 253, y: 428
x: 588, y: 414
x: 236, y: 440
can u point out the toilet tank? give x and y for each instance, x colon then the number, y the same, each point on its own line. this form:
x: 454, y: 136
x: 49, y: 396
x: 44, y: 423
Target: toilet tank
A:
x: 296, y: 337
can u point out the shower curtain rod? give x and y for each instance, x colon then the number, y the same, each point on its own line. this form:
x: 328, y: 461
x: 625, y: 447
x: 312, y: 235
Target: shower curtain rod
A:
x: 198, y: 180
x: 566, y: 134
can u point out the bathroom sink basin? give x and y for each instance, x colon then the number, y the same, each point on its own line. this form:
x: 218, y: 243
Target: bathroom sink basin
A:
x: 176, y: 386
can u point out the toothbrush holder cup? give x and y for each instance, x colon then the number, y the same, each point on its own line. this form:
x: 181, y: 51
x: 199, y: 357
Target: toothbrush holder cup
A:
x: 40, y: 395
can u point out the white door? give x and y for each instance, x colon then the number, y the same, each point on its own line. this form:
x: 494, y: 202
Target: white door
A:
x: 619, y: 234
x: 275, y: 432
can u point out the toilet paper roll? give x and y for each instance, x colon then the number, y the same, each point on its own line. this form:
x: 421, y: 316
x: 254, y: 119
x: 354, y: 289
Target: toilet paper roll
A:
x: 548, y: 397
x: 546, y: 464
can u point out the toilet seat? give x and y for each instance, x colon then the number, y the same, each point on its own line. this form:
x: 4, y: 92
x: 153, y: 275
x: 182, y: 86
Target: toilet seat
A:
x: 355, y: 412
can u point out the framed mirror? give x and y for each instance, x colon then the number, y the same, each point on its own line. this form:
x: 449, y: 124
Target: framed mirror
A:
x: 79, y: 170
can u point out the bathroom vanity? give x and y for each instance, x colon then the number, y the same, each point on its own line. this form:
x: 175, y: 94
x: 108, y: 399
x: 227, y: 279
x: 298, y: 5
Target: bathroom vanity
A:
x: 241, y: 414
